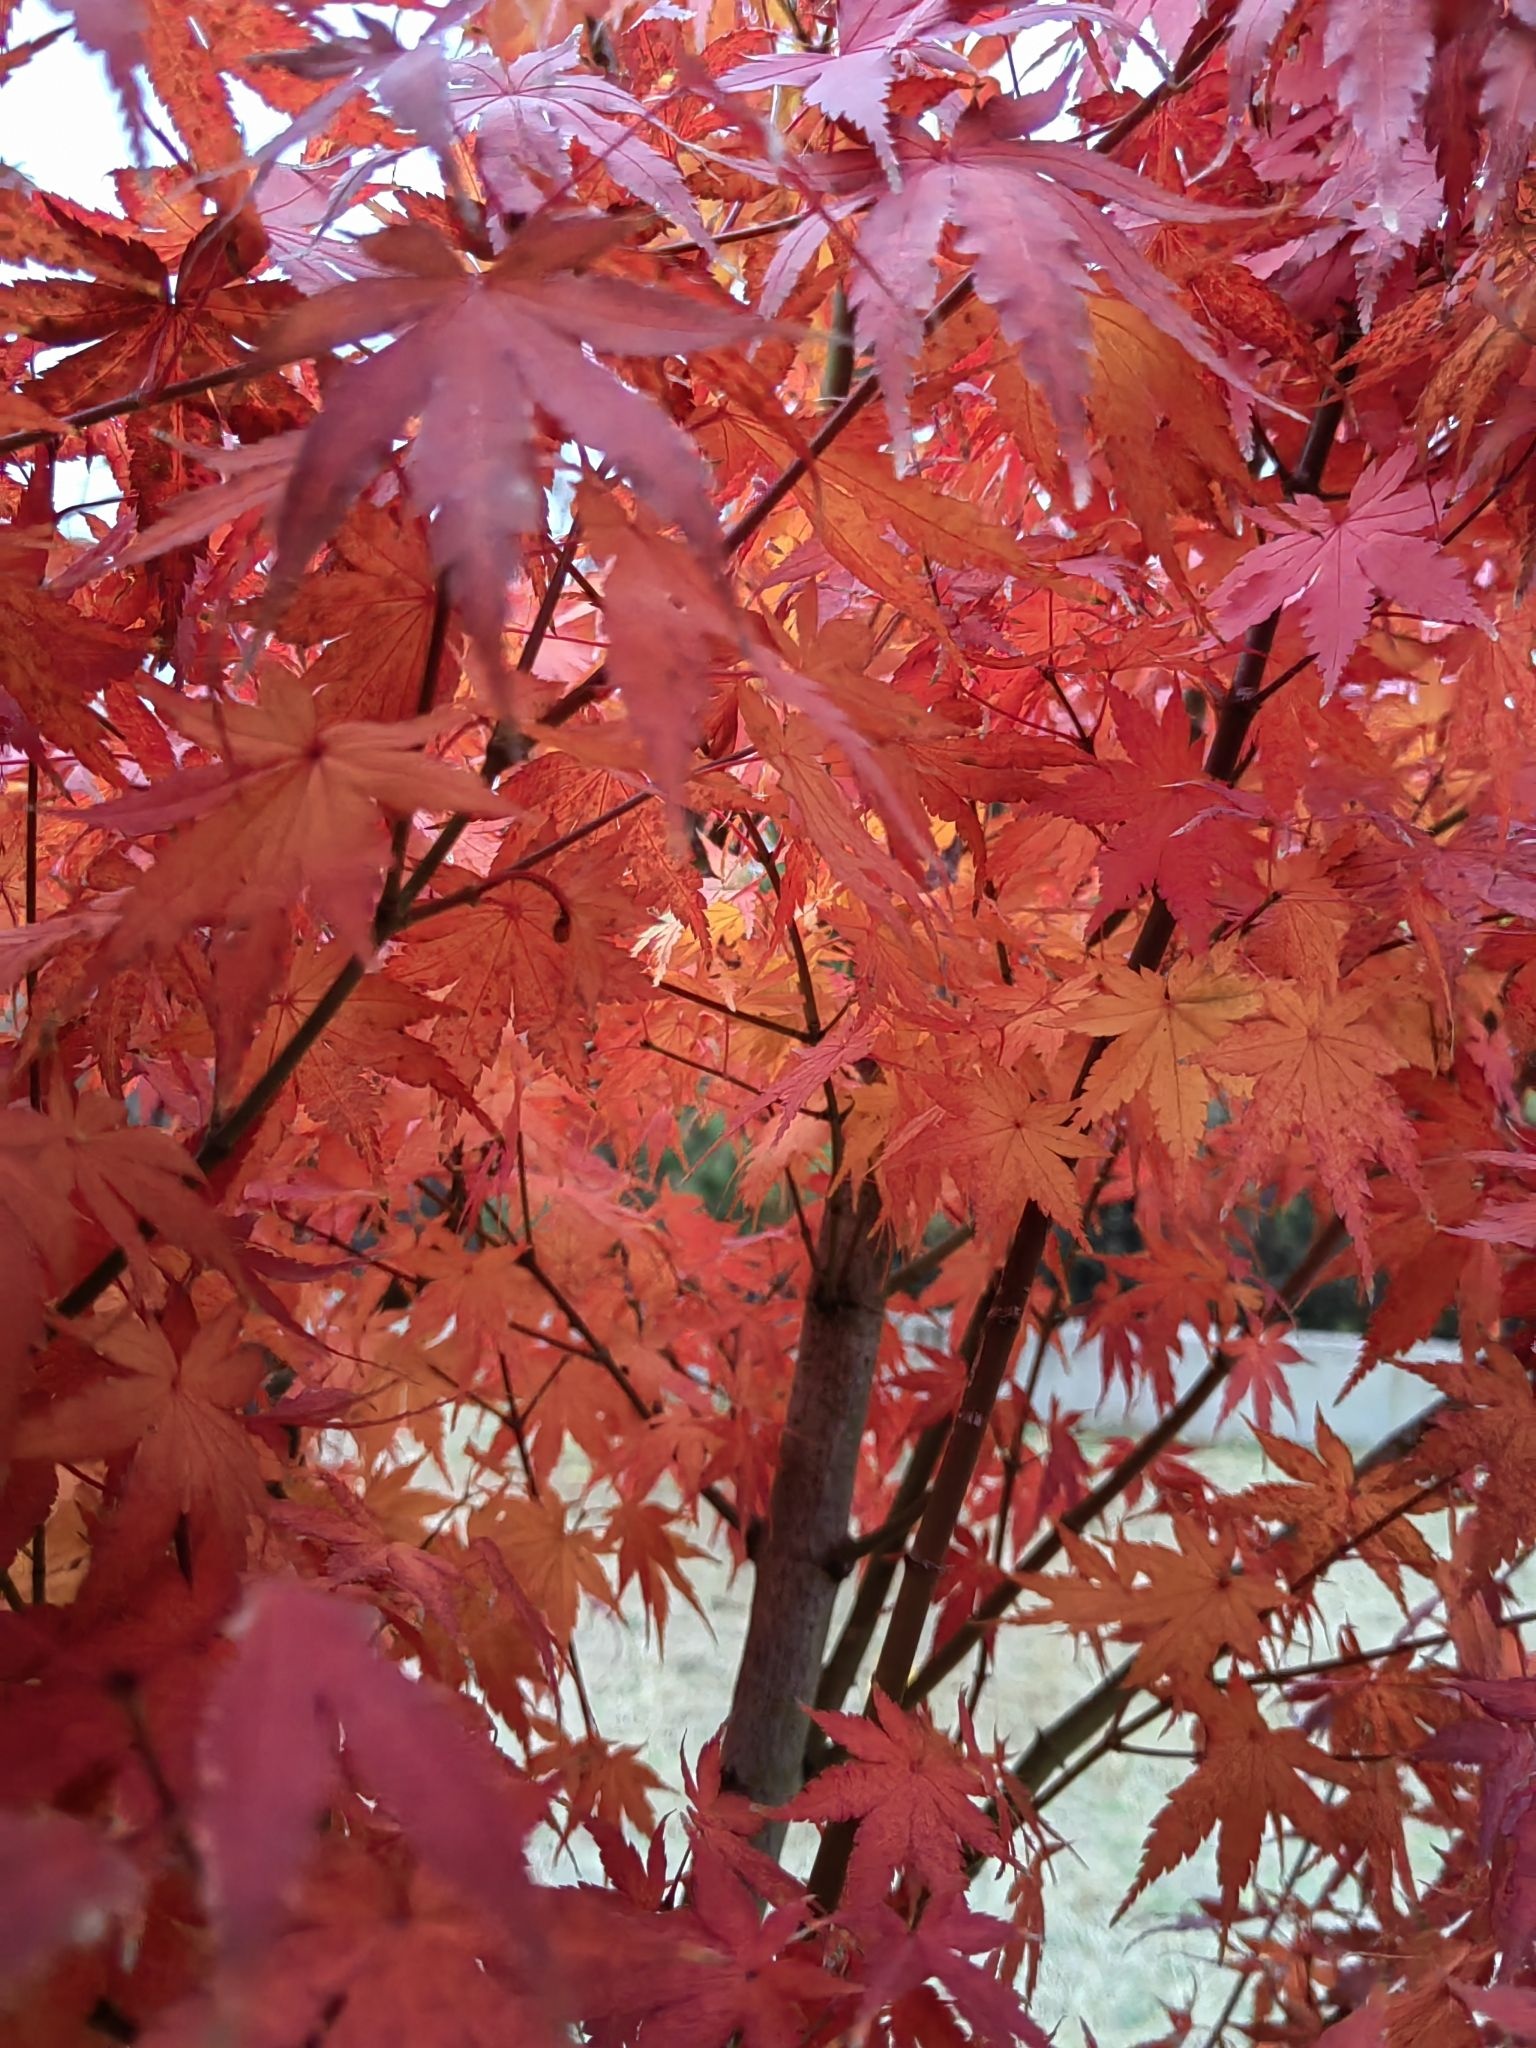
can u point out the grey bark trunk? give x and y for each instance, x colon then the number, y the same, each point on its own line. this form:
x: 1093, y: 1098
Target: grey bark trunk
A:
x: 796, y: 1570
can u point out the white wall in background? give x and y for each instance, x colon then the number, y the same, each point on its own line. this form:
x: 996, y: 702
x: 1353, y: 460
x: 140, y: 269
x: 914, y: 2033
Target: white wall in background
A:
x: 1386, y: 1398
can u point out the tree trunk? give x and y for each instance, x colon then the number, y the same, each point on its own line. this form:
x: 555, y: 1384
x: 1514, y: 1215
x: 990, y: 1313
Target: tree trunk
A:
x: 796, y: 1560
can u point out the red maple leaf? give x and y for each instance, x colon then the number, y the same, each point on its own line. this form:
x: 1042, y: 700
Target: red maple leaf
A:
x: 1249, y: 1771
x: 902, y: 1957
x: 1165, y: 823
x: 912, y: 1794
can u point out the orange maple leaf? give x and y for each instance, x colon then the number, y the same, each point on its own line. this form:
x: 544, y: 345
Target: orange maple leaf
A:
x: 1162, y: 1029
x: 999, y: 1142
x: 553, y: 1562
x: 518, y: 958
x: 1327, y: 1509
x: 1249, y: 1772
x: 606, y: 1780
x: 54, y: 658
x: 294, y: 809
x: 1182, y: 1606
x: 649, y: 1552
x: 1317, y: 1060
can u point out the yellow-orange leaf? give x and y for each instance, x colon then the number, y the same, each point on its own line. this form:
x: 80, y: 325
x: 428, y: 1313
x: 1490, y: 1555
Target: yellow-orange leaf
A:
x: 1162, y: 1030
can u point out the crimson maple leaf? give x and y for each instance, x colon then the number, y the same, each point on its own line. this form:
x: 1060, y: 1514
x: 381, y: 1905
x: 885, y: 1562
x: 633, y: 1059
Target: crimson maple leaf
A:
x: 54, y: 659
x: 900, y: 1959
x: 479, y: 355
x: 728, y: 1973
x: 1487, y: 1423
x: 1259, y: 1356
x: 1382, y: 54
x: 911, y: 1792
x: 303, y: 1671
x: 1327, y: 565
x: 84, y: 1159
x: 1165, y: 823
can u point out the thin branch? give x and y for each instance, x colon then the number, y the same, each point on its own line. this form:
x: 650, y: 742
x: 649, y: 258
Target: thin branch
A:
x: 803, y: 975
x: 916, y: 1272
x: 1500, y: 486
x: 426, y: 697
x: 751, y: 1017
x: 603, y: 1358
x: 728, y: 237
x: 138, y: 401
x: 514, y: 1422
x: 1122, y: 1475
x: 770, y: 867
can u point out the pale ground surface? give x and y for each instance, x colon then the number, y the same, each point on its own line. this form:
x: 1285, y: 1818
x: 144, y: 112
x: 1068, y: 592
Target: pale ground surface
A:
x: 1111, y: 1977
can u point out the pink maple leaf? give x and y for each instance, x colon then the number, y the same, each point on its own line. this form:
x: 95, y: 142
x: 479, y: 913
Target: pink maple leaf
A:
x: 882, y: 41
x: 527, y: 115
x: 878, y: 41
x: 1025, y: 215
x: 1381, y: 52
x: 61, y: 1883
x: 1330, y: 565
x: 478, y: 357
x: 303, y: 1672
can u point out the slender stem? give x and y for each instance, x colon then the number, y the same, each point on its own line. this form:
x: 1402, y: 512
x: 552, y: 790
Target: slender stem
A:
x: 426, y: 697
x: 514, y: 1422
x: 34, y: 1071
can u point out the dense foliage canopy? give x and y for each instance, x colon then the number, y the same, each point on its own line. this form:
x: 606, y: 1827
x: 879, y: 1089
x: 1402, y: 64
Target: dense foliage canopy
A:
x: 671, y: 680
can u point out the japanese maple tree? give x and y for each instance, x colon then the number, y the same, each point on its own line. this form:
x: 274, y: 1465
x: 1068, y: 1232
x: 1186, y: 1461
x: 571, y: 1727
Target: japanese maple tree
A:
x: 675, y: 682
